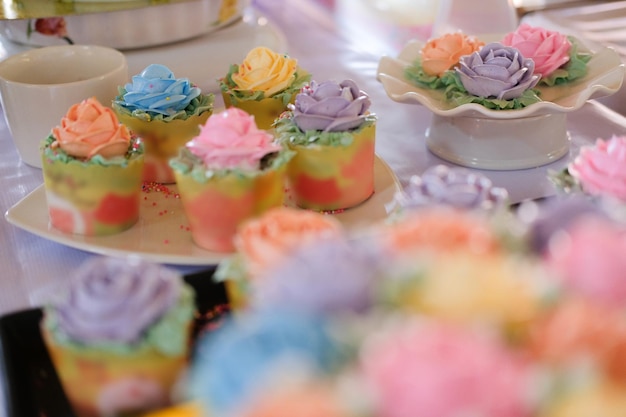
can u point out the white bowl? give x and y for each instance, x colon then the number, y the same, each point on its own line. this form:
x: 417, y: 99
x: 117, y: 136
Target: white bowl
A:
x: 142, y: 26
x: 475, y: 136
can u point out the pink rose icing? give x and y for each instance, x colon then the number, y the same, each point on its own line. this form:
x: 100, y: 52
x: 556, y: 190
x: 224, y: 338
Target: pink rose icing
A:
x: 423, y: 368
x: 232, y: 140
x: 89, y: 129
x: 590, y: 260
x: 601, y: 169
x: 549, y: 49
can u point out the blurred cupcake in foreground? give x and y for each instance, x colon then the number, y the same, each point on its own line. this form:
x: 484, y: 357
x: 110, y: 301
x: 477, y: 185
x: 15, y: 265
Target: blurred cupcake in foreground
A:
x: 230, y: 172
x: 263, y: 84
x: 92, y: 172
x: 455, y: 187
x: 239, y: 368
x: 333, y: 134
x: 119, y: 337
x: 165, y: 112
x: 267, y: 241
x: 421, y: 367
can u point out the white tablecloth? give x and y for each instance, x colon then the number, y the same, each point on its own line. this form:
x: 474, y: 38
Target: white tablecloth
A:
x: 329, y: 48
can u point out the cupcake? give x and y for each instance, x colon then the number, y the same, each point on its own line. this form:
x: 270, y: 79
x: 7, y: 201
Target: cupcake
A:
x: 92, y: 172
x: 119, y: 336
x: 263, y: 84
x: 333, y: 134
x: 231, y: 171
x: 165, y: 112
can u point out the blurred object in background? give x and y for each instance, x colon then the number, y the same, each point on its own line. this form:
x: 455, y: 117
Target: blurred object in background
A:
x: 475, y: 17
x: 385, y: 25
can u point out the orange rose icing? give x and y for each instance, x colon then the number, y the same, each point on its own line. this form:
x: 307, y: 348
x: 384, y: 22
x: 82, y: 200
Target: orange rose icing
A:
x: 90, y: 129
x: 443, y: 53
x: 266, y: 239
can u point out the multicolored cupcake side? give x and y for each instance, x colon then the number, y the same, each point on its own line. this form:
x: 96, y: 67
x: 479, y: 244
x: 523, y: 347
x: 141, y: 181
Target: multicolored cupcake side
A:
x: 333, y: 134
x: 92, y: 171
x: 165, y: 112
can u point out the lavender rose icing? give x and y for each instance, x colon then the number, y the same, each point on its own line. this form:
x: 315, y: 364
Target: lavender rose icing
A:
x: 497, y: 71
x: 456, y: 187
x: 330, y: 106
x: 114, y: 300
x: 326, y: 276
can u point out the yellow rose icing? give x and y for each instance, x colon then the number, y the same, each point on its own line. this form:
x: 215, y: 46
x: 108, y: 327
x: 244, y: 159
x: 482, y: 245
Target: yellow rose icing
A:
x: 265, y: 70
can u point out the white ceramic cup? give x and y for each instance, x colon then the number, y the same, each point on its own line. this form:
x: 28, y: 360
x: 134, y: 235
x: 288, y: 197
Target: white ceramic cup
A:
x: 38, y: 86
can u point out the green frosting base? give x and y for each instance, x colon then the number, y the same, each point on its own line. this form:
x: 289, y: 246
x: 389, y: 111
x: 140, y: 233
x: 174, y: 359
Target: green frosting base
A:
x: 198, y: 105
x: 228, y: 86
x: 168, y: 335
x: 189, y: 164
x: 454, y: 91
x: 135, y: 150
x: 289, y: 133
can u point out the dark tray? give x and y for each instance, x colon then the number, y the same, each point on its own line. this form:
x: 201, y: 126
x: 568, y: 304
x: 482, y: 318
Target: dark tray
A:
x: 31, y: 386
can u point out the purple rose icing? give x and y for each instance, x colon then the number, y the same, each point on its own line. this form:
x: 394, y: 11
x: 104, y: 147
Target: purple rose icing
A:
x: 330, y: 107
x: 497, y: 71
x: 456, y: 187
x: 330, y: 275
x: 115, y: 300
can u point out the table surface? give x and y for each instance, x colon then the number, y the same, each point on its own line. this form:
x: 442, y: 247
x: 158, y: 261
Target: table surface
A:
x: 330, y: 49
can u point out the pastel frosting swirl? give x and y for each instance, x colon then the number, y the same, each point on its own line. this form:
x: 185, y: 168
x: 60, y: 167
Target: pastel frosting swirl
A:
x: 89, y: 129
x: 497, y: 71
x: 330, y: 106
x: 114, y: 300
x: 232, y: 140
x: 157, y: 91
x: 601, y: 169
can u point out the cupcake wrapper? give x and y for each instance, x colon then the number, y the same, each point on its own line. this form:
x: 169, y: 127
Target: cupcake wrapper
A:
x: 92, y: 200
x: 327, y: 178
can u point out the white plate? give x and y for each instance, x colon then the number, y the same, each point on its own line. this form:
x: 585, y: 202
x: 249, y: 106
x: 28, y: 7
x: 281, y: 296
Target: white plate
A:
x: 203, y: 59
x: 162, y: 234
x: 604, y: 77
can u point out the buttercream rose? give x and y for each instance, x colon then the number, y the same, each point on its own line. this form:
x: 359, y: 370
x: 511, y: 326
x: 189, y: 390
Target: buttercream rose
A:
x: 156, y: 90
x: 232, y: 140
x: 497, y: 71
x: 330, y: 106
x: 548, y: 49
x: 114, y: 301
x: 265, y: 240
x: 590, y: 260
x: 423, y: 368
x: 441, y: 54
x: 90, y: 129
x: 601, y: 169
x: 265, y: 70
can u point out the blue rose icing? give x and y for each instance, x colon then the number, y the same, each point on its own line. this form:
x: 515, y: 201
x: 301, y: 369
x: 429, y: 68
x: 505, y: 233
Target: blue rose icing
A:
x: 157, y: 92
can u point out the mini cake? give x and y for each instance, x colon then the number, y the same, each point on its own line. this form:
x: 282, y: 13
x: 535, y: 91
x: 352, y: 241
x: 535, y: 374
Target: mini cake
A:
x: 333, y: 134
x: 231, y: 171
x: 119, y: 336
x: 92, y: 172
x: 165, y: 112
x: 263, y: 84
